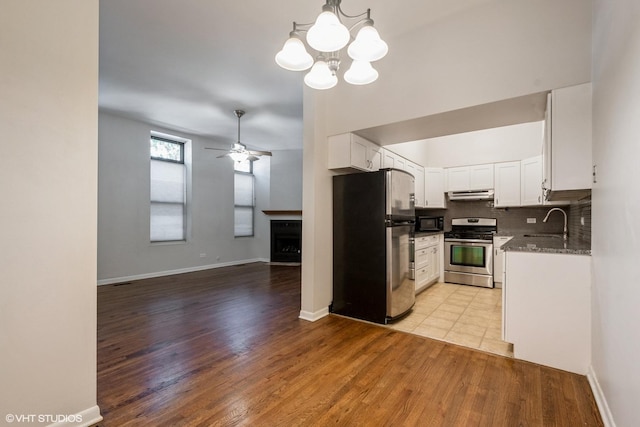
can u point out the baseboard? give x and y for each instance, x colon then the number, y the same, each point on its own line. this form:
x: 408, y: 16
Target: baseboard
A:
x: 313, y: 316
x: 177, y: 271
x: 89, y: 417
x: 601, y: 400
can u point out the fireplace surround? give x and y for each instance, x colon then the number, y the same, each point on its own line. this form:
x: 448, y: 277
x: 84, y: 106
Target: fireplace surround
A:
x: 286, y: 241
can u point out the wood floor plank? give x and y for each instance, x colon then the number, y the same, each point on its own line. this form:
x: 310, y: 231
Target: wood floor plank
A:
x: 225, y: 347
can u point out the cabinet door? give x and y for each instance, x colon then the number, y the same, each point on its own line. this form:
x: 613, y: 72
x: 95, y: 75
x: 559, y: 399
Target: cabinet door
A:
x: 458, y: 179
x: 434, y: 263
x: 400, y: 163
x: 571, y: 157
x: 388, y: 159
x: 481, y: 177
x: 434, y: 188
x: 507, y: 181
x: 498, y: 258
x: 418, y: 173
x: 374, y: 157
x: 531, y: 181
x: 359, y: 157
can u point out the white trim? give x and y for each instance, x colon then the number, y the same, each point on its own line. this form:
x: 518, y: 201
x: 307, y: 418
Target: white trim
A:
x: 90, y: 416
x: 601, y: 400
x: 177, y: 271
x: 313, y: 316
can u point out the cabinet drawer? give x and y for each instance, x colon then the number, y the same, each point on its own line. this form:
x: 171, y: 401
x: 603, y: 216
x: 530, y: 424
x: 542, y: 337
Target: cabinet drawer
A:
x: 422, y: 274
x: 424, y: 241
x: 422, y: 256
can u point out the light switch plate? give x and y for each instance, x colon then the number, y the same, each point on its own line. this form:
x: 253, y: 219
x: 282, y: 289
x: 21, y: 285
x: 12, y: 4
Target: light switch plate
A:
x: 531, y: 220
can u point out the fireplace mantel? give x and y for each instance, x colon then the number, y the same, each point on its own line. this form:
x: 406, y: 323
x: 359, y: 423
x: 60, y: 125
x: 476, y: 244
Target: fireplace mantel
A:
x: 282, y: 212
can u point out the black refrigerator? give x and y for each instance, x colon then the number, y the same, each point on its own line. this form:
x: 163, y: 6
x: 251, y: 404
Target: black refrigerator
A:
x: 373, y: 229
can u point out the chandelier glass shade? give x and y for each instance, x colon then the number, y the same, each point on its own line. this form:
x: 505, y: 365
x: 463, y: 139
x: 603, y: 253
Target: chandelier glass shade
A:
x: 360, y: 73
x: 328, y: 36
x: 294, y: 56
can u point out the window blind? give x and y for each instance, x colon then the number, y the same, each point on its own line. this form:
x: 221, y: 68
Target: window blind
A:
x: 244, y: 203
x: 167, y: 197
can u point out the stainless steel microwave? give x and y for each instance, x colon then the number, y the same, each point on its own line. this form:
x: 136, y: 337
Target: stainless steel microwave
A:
x: 429, y: 223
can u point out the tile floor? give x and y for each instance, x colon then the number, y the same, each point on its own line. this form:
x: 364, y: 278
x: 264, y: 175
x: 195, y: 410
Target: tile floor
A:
x: 465, y: 315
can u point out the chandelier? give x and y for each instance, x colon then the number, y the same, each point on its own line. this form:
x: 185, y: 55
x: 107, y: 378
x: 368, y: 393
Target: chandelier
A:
x: 328, y: 36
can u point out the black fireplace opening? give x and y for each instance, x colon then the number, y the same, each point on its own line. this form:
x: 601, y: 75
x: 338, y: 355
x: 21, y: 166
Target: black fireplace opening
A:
x: 286, y: 240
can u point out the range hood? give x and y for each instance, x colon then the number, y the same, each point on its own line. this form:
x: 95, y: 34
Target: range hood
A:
x: 471, y: 195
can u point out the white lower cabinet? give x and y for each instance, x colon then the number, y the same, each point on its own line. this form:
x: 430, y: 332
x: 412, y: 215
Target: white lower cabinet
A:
x: 498, y: 259
x: 547, y: 309
x: 427, y: 261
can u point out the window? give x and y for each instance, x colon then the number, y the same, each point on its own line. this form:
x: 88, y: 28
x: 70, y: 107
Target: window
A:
x: 168, y: 190
x: 244, y: 198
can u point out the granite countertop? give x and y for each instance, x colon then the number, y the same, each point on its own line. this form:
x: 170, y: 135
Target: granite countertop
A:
x: 551, y: 245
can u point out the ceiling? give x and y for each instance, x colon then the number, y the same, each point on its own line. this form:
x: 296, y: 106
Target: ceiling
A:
x: 186, y: 65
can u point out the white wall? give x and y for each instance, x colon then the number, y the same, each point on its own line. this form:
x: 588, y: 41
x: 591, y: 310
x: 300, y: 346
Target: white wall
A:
x: 317, y: 213
x: 503, y: 144
x: 286, y: 180
x: 498, y: 50
x: 48, y: 170
x: 616, y: 206
x: 124, y: 250
x: 502, y: 50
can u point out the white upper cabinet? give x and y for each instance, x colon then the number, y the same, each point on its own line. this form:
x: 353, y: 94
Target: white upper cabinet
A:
x: 531, y: 181
x: 434, y: 188
x: 349, y: 150
x: 481, y: 177
x: 388, y: 159
x: 393, y: 160
x: 418, y: 173
x: 470, y: 178
x: 507, y: 184
x: 458, y: 179
x: 567, y: 149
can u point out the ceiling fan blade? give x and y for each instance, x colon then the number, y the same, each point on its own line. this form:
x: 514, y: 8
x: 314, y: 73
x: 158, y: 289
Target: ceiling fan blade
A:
x: 223, y: 155
x: 259, y: 153
x: 218, y: 149
x: 253, y: 158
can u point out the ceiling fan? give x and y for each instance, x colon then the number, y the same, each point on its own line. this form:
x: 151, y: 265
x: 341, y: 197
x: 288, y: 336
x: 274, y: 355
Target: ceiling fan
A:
x: 239, y: 152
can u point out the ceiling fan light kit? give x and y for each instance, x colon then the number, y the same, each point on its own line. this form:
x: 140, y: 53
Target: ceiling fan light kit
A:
x: 328, y: 35
x: 239, y: 153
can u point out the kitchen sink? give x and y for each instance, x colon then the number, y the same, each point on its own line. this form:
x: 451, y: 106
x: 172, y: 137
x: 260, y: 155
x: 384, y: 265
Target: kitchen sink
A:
x: 558, y: 236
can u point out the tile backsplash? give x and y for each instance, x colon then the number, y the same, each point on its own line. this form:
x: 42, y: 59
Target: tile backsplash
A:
x: 514, y: 220
x: 580, y: 220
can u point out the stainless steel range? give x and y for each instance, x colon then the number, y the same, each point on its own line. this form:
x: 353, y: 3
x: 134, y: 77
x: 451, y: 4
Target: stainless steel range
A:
x: 468, y: 251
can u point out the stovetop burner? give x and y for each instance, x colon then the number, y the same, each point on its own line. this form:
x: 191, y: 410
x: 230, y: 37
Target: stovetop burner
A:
x: 472, y: 229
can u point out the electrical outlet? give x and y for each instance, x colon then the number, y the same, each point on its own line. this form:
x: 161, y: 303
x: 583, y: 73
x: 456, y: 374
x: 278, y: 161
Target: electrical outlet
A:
x: 203, y: 255
x: 531, y: 220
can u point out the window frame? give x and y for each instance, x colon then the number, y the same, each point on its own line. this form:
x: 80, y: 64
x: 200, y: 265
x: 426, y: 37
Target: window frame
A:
x: 253, y: 200
x: 182, y: 143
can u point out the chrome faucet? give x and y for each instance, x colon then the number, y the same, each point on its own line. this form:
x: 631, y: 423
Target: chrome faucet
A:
x: 565, y: 233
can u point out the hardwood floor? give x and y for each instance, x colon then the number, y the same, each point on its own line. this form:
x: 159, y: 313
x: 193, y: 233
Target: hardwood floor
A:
x: 225, y: 347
